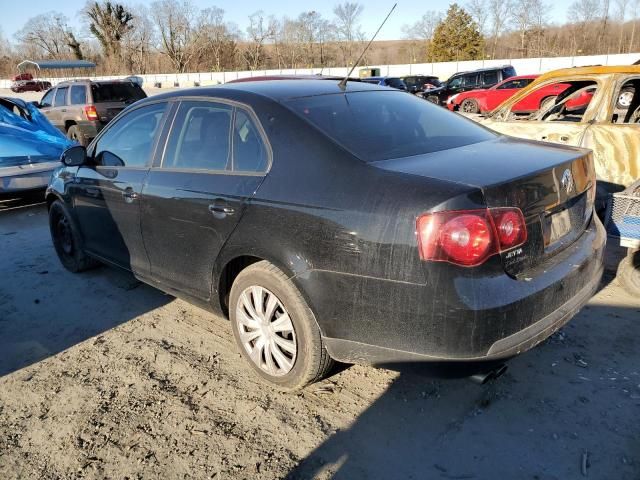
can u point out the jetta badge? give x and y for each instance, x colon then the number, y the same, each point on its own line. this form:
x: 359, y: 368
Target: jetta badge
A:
x: 567, y: 181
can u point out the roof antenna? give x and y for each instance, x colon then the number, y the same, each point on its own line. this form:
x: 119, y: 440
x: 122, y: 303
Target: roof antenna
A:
x: 343, y: 82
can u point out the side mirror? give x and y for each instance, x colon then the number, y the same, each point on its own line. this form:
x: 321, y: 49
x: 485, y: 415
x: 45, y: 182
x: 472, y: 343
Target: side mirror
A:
x: 74, y: 156
x: 36, y: 104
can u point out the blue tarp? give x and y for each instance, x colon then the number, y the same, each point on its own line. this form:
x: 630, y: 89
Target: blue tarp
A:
x: 29, y: 141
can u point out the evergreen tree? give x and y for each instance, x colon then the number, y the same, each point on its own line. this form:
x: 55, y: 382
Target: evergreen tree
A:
x: 456, y: 37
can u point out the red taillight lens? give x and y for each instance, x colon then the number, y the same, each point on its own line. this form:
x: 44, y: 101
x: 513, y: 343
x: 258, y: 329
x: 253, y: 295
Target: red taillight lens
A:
x: 91, y: 113
x: 469, y: 237
x: 510, y: 227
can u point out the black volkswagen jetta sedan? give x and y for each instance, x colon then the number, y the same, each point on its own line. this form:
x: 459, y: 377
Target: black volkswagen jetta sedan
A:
x: 359, y: 224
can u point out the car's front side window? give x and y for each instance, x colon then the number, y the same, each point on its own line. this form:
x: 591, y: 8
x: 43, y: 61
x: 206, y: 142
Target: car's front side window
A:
x: 47, y: 99
x: 129, y: 141
x: 200, y: 138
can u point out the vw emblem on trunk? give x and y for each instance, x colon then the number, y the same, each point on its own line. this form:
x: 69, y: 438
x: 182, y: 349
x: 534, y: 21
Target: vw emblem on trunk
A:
x: 567, y: 181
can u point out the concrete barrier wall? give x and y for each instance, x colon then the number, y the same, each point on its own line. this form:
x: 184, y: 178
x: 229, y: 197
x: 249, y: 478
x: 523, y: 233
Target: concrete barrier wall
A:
x: 523, y: 66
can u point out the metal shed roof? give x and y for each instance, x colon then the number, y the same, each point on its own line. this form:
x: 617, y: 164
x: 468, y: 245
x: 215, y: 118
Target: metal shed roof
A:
x: 52, y: 64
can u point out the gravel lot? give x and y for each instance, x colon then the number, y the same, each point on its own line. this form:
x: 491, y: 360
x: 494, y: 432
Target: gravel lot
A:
x: 104, y: 377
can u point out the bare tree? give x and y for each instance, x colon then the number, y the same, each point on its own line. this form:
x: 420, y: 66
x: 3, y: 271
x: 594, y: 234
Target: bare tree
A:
x: 348, y: 30
x: 138, y: 42
x: 219, y: 39
x: 109, y: 22
x: 634, y: 17
x: 621, y: 13
x: 47, y: 33
x: 260, y: 30
x: 499, y: 10
x: 179, y: 27
x: 479, y: 10
x: 422, y: 30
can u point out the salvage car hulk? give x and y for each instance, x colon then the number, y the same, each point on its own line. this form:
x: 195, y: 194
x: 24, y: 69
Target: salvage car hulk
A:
x: 360, y: 224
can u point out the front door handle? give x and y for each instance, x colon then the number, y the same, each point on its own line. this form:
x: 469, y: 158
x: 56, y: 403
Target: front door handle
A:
x: 220, y: 209
x: 129, y: 195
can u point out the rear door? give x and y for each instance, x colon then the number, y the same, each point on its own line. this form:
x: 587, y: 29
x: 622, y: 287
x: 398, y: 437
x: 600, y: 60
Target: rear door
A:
x: 106, y: 194
x: 215, y: 158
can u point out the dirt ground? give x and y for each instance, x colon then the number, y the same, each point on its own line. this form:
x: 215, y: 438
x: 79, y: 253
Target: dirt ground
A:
x: 104, y: 377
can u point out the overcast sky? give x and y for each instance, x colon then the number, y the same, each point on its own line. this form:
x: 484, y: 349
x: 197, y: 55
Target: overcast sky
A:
x: 16, y: 13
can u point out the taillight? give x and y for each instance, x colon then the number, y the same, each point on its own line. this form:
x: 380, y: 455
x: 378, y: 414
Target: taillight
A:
x: 469, y: 237
x: 91, y: 113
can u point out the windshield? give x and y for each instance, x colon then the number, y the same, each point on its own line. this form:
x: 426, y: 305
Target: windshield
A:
x: 379, y: 125
x: 117, y: 92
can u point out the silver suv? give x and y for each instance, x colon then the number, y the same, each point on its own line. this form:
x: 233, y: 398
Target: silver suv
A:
x: 81, y: 108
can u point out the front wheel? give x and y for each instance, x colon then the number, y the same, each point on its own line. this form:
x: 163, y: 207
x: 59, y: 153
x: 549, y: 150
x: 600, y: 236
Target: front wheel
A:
x: 547, y: 103
x: 469, y: 106
x: 66, y: 240
x: 274, y: 328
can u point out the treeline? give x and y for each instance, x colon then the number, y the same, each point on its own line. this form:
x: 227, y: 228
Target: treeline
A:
x: 176, y: 36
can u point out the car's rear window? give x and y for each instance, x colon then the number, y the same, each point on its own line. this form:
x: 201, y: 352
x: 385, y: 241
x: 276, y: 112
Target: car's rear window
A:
x: 379, y: 125
x: 117, y: 92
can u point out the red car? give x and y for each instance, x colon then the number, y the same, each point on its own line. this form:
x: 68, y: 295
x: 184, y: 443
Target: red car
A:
x: 486, y: 100
x: 30, y: 86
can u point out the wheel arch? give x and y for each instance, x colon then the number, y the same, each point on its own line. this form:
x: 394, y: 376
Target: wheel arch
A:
x: 68, y: 124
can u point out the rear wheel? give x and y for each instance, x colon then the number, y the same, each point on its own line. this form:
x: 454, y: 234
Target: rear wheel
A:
x: 469, y: 105
x: 629, y: 273
x: 66, y: 240
x: 76, y: 135
x: 274, y: 328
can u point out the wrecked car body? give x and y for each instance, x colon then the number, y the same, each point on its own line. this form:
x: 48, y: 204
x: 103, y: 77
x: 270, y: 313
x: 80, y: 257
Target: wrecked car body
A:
x: 608, y: 123
x: 30, y: 147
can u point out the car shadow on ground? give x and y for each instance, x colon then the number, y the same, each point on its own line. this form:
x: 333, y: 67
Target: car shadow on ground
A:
x: 567, y: 409
x: 35, y: 322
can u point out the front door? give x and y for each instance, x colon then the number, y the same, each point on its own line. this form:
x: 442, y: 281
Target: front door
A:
x: 215, y: 160
x: 107, y: 192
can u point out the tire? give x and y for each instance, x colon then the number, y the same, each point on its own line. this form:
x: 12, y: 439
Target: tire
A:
x: 288, y: 370
x: 433, y: 99
x: 625, y: 98
x: 66, y: 240
x: 469, y: 105
x: 547, y: 102
x: 629, y: 273
x: 75, y: 134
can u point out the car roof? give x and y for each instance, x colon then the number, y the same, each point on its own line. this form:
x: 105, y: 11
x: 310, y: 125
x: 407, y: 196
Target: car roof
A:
x: 590, y: 70
x: 486, y: 69
x: 263, y: 78
x: 287, y: 89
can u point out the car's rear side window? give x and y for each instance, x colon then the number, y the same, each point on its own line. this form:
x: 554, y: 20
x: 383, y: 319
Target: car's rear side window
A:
x: 249, y: 151
x: 61, y: 96
x: 490, y: 78
x: 78, y: 95
x: 379, y: 125
x: 200, y: 138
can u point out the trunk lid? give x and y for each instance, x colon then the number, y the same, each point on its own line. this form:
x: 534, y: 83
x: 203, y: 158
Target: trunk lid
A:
x: 553, y: 186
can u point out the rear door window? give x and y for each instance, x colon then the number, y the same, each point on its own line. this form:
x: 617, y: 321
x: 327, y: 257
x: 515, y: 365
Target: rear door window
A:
x: 490, y: 78
x: 200, y: 138
x: 470, y: 80
x: 78, y: 95
x: 61, y: 96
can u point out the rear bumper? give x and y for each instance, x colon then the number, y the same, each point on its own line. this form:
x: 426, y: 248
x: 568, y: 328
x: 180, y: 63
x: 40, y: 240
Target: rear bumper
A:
x: 462, y: 317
